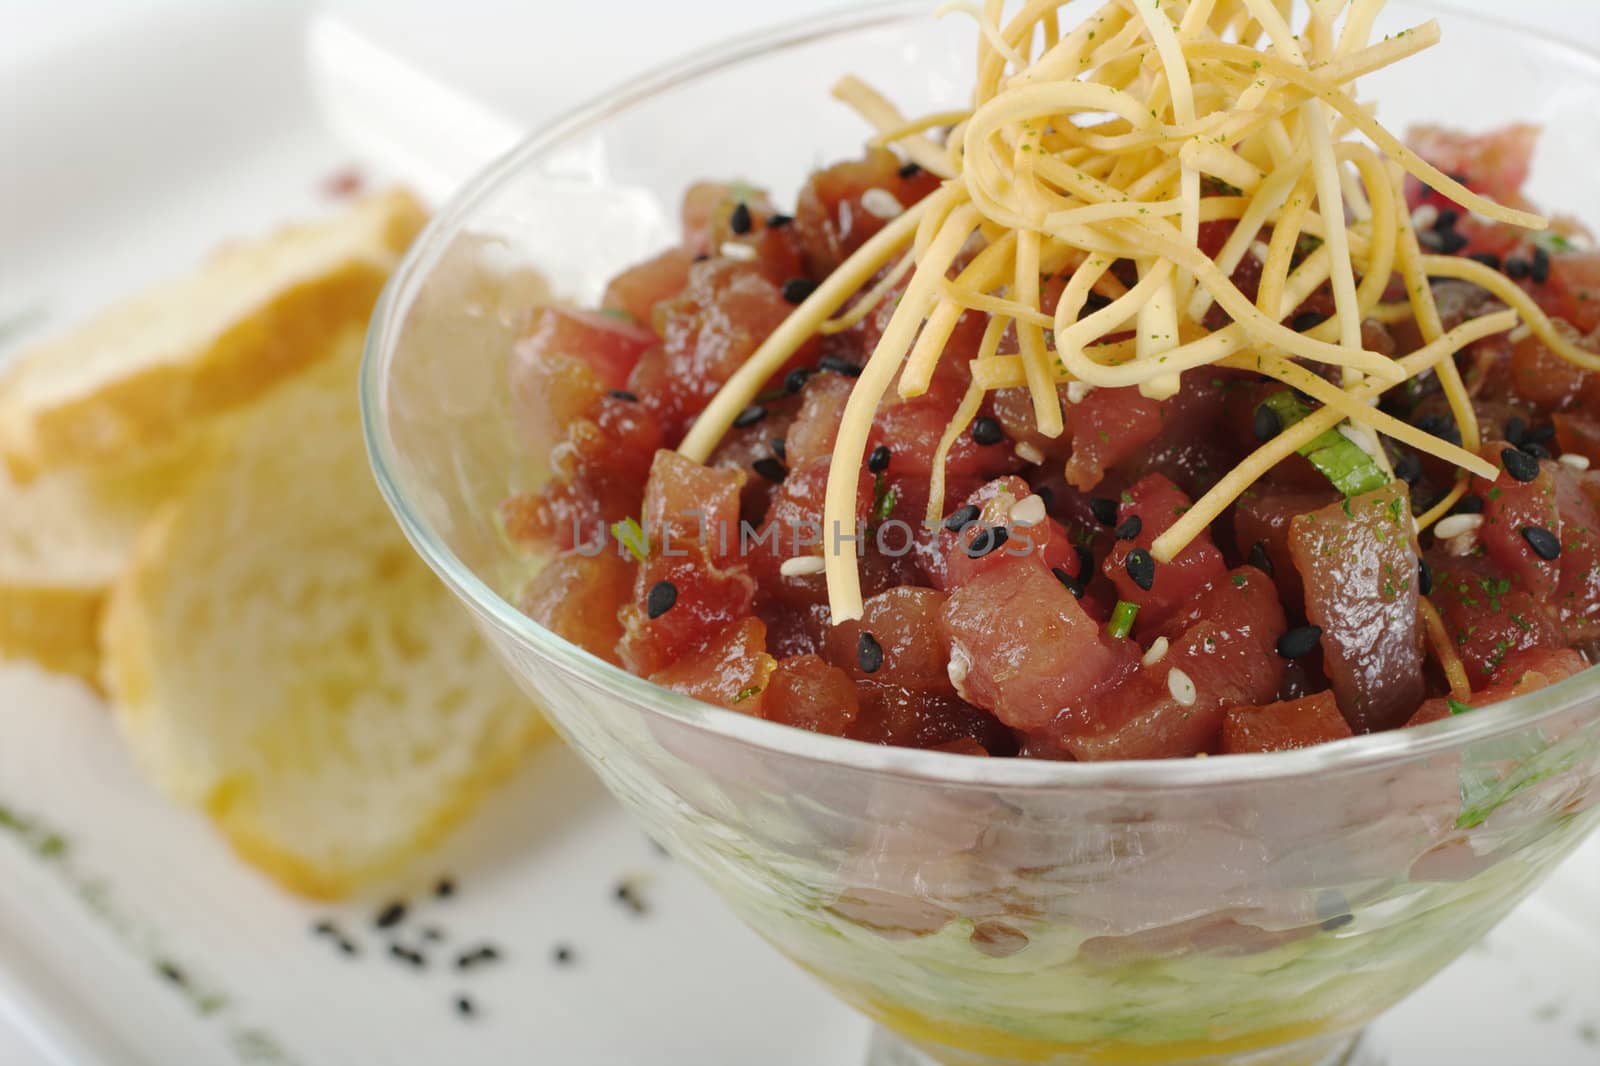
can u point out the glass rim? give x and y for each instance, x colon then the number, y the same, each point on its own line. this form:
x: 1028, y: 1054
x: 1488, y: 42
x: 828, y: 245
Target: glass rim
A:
x: 1356, y: 754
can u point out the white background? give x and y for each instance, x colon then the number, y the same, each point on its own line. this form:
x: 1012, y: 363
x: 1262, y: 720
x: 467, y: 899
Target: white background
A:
x: 533, y: 58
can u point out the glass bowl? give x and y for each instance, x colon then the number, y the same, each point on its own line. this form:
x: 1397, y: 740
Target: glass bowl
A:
x: 1255, y: 909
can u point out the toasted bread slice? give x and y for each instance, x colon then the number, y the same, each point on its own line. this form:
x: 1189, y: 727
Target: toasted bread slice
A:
x: 63, y: 540
x: 140, y: 374
x: 279, y: 655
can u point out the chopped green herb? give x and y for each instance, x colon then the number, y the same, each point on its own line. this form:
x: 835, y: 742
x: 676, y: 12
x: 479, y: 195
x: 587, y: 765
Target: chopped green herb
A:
x: 631, y: 536
x: 884, y: 498
x: 1351, y: 470
x: 1122, y: 617
x: 746, y: 693
x: 618, y: 313
x: 1457, y: 707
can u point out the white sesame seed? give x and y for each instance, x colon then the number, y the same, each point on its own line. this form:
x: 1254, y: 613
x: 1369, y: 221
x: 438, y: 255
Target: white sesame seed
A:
x: 801, y: 565
x: 1574, y: 460
x: 1520, y: 334
x: 1156, y: 652
x: 1028, y: 452
x: 1181, y: 687
x: 881, y: 202
x: 1425, y: 217
x: 958, y: 665
x: 1452, y: 526
x: 1462, y: 546
x: 1028, y: 511
x: 744, y: 253
x: 1260, y: 250
x: 1077, y: 390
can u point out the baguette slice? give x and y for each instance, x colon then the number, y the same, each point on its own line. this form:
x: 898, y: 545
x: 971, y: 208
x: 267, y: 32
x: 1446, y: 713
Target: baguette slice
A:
x: 140, y: 374
x: 280, y: 657
x: 63, y: 540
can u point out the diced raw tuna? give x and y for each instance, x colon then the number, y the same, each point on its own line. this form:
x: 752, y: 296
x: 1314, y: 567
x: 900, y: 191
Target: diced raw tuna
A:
x: 1174, y: 706
x: 1263, y: 518
x: 1577, y: 596
x: 730, y: 670
x: 830, y: 216
x: 809, y: 693
x: 904, y: 624
x: 1023, y: 648
x: 1151, y: 506
x: 1494, y: 164
x: 1524, y: 672
x: 688, y: 509
x: 1357, y: 561
x: 1510, y: 509
x: 578, y: 597
x: 636, y: 291
x: 1488, y: 615
x: 1285, y: 726
x: 1107, y: 426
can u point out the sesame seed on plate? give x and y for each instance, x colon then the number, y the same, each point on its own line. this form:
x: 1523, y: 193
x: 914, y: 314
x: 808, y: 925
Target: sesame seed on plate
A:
x: 1156, y: 652
x: 741, y: 253
x: 464, y: 1005
x: 1071, y: 584
x: 1028, y: 452
x: 1260, y: 250
x: 1130, y: 528
x: 1424, y: 217
x: 1539, y: 268
x: 1182, y: 687
x: 910, y: 170
x: 802, y: 565
x: 1299, y: 641
x: 837, y: 365
x: 1028, y: 511
x: 878, y: 459
x: 796, y: 290
x: 771, y: 469
x: 1424, y: 577
x: 962, y: 517
x: 958, y: 665
x: 749, y: 416
x: 1457, y: 525
x: 1574, y: 460
x: 740, y: 221
x: 986, y: 540
x: 987, y: 431
x: 1077, y: 390
x: 1104, y: 509
x: 882, y: 203
x: 391, y: 915
x: 796, y: 379
x: 624, y: 395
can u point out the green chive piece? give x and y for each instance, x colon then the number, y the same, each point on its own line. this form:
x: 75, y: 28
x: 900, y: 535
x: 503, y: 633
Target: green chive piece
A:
x: 1351, y: 470
x: 1122, y: 617
x: 631, y: 536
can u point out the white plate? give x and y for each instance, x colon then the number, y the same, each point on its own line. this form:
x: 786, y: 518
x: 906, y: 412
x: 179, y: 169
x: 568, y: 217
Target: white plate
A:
x: 163, y: 135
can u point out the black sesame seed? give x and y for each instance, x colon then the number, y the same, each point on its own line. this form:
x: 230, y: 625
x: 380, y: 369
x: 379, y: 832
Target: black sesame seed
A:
x: 432, y: 934
x: 749, y: 416
x: 1543, y: 542
x: 659, y: 600
x: 1260, y: 559
x: 623, y: 395
x: 1451, y: 242
x: 391, y: 916
x: 869, y: 653
x: 1459, y: 178
x: 779, y: 448
x: 1520, y: 465
x: 1092, y: 303
x: 795, y: 290
x: 1141, y: 568
x: 986, y: 540
x: 1130, y: 528
x: 1045, y: 493
x: 445, y: 888
x: 1448, y: 217
x: 1299, y: 641
x: 1431, y: 240
x: 1408, y: 468
x: 563, y: 955
x: 1539, y: 269
x: 1424, y: 577
x: 987, y: 431
x: 1072, y: 584
x: 1440, y: 425
x: 1104, y: 509
x: 1534, y: 449
x: 1517, y: 268
x: 962, y: 517
x: 779, y: 221
x: 1488, y: 259
x: 1468, y: 505
x: 346, y: 945
x: 1516, y: 429
x: 835, y: 365
x: 1306, y: 320
x: 414, y: 959
x: 878, y: 461
x: 1542, y: 434
x: 1267, y: 424
x: 325, y: 928
x: 770, y: 468
x: 477, y: 957
x: 796, y: 379
x: 740, y: 221
x: 465, y: 1007
x: 910, y: 170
